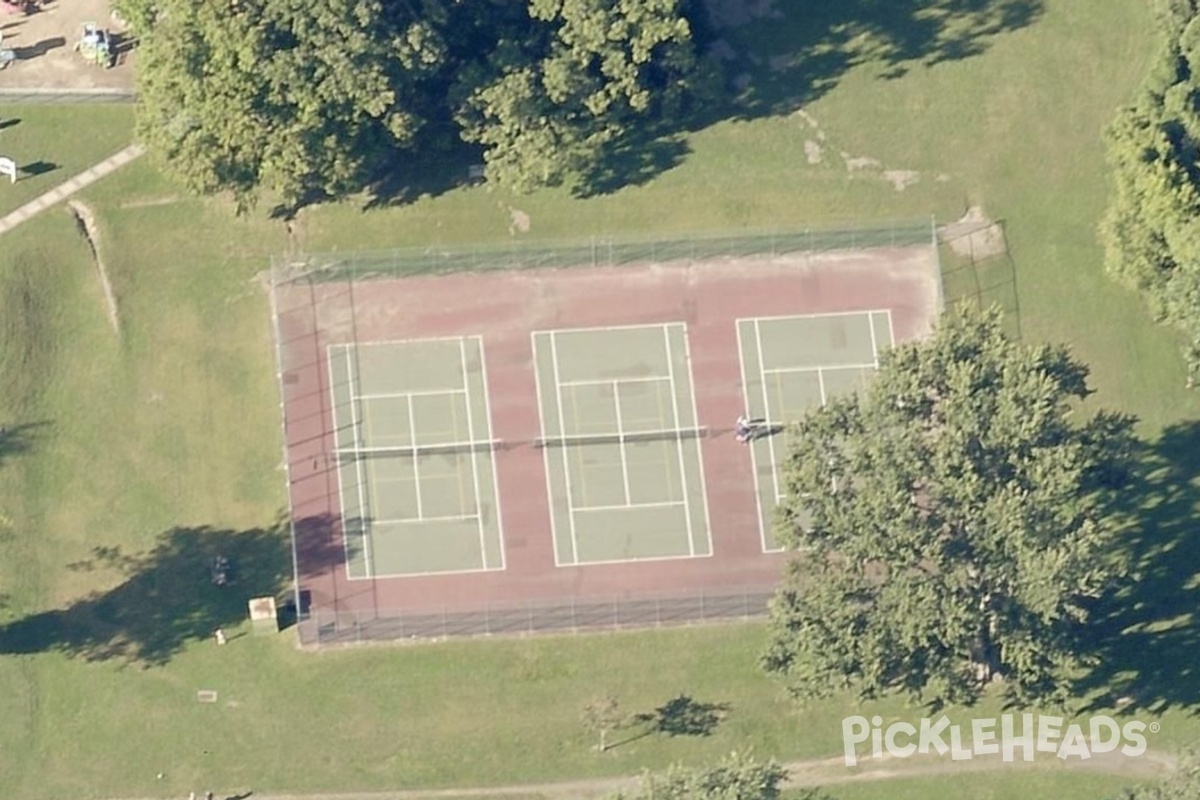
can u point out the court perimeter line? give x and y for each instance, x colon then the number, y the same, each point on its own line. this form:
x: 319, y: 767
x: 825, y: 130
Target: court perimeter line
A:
x: 359, y: 469
x: 687, y: 359
x: 687, y: 511
x: 566, y: 456
x: 627, y: 506
x: 412, y: 432
x: 487, y: 406
x: 422, y: 340
x: 821, y: 384
x: 819, y: 314
x: 421, y: 393
x: 762, y: 531
x: 766, y: 405
x: 891, y: 331
x: 616, y: 385
x: 462, y: 352
x: 600, y: 382
x: 357, y: 474
x: 629, y: 327
x: 537, y: 385
x: 874, y: 349
x: 787, y: 370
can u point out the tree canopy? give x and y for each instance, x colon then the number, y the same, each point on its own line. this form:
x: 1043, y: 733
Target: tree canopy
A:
x: 1151, y: 231
x: 1183, y: 783
x: 737, y: 777
x: 952, y: 523
x: 302, y: 99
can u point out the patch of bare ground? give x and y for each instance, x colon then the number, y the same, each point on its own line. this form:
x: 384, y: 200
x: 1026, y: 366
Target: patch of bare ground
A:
x: 85, y: 219
x: 974, y: 235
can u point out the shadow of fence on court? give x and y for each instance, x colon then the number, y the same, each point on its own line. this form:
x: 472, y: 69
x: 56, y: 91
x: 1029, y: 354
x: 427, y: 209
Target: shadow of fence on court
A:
x: 324, y: 627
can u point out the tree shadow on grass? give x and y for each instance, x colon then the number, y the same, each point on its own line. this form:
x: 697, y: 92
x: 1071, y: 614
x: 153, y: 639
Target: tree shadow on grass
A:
x: 18, y: 439
x: 772, y: 57
x: 166, y: 598
x: 682, y: 715
x: 761, y: 58
x: 1149, y: 632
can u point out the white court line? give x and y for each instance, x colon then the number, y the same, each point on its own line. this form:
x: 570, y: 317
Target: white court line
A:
x: 874, y: 349
x: 627, y: 506
x: 633, y: 326
x: 537, y: 383
x: 422, y: 393
x: 821, y: 386
x: 418, y: 520
x: 787, y: 370
x: 358, y: 475
x: 891, y: 332
x: 487, y: 405
x: 338, y: 468
x: 687, y: 510
x: 412, y: 432
x: 621, y: 440
x: 422, y: 340
x: 601, y: 382
x: 766, y: 407
x: 819, y: 315
x: 462, y: 349
x: 566, y: 456
x: 762, y: 530
x: 687, y: 359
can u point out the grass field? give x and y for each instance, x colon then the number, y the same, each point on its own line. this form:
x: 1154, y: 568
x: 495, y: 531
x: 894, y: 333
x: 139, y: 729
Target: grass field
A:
x: 162, y: 443
x: 982, y: 786
x: 46, y: 143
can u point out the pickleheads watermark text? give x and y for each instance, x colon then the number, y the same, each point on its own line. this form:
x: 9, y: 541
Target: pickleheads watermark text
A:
x: 1005, y: 736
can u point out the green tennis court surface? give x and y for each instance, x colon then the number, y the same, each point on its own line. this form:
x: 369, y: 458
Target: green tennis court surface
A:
x: 622, y: 444
x: 793, y: 364
x: 415, y: 461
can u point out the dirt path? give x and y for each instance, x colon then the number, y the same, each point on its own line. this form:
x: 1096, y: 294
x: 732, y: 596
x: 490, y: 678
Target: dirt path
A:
x: 70, y: 187
x: 812, y: 772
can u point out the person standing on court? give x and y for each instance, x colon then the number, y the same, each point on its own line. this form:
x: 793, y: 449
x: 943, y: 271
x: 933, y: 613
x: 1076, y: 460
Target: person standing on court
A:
x: 742, y: 430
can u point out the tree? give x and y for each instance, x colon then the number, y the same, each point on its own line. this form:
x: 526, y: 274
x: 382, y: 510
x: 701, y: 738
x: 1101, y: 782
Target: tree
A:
x: 547, y: 101
x: 1151, y: 230
x: 291, y: 96
x: 737, y: 777
x: 953, y: 523
x: 602, y: 715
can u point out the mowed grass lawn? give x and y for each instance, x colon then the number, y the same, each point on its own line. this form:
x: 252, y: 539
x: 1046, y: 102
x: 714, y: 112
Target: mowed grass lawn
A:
x: 170, y: 427
x: 52, y: 143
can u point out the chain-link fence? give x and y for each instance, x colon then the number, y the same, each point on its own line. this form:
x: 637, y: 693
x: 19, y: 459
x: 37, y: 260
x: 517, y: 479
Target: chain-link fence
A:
x: 325, y: 627
x: 15, y: 96
x: 599, y: 251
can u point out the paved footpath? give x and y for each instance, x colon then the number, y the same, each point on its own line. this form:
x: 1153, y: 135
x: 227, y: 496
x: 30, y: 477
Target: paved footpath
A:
x: 65, y: 190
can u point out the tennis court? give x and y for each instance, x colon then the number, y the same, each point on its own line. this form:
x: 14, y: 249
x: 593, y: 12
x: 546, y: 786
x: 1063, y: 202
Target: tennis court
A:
x: 621, y: 441
x: 793, y: 364
x: 415, y: 457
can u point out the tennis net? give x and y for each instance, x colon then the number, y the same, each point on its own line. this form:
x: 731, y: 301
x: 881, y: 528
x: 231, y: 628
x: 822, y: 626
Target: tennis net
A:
x: 632, y: 437
x: 346, y: 454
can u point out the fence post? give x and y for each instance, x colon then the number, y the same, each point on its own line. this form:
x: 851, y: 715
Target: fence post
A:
x: 657, y: 612
x: 703, y: 611
x: 574, y: 621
